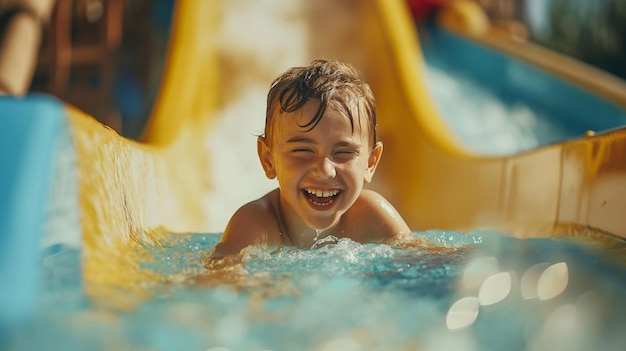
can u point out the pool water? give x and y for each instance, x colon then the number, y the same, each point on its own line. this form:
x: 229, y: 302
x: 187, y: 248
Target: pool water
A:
x: 440, y: 291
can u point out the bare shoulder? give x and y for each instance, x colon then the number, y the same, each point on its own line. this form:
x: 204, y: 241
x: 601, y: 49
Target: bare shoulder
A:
x: 372, y: 202
x: 376, y: 218
x: 254, y: 223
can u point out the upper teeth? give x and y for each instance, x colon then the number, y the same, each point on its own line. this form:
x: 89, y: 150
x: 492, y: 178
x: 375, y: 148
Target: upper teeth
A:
x: 322, y: 193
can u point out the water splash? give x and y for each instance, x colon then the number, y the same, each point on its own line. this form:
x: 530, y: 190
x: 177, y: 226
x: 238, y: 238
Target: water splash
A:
x: 317, y: 234
x: 273, y: 298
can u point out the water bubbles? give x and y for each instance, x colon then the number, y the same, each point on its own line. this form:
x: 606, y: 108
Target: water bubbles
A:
x: 494, y: 286
x: 495, y: 289
x: 530, y: 280
x: 552, y: 281
x: 462, y: 313
x: 541, y: 281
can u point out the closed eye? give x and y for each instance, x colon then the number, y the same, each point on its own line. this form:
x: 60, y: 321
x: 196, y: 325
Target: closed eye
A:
x: 346, y: 152
x: 347, y: 149
x: 301, y: 150
x: 345, y: 155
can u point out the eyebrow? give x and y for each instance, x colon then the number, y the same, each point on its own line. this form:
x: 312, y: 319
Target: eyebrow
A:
x: 306, y: 140
x: 297, y: 139
x: 348, y: 144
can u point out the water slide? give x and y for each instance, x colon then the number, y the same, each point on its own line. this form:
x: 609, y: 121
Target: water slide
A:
x: 67, y: 179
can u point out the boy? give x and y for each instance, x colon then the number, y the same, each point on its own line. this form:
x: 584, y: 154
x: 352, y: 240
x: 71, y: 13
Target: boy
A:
x: 320, y: 143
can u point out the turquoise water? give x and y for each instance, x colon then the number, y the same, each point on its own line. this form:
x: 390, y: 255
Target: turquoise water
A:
x: 447, y: 290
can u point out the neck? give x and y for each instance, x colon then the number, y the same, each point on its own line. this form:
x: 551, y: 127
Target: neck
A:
x: 298, y: 233
x: 305, y: 237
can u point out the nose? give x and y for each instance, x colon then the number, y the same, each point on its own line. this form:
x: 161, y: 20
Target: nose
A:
x: 324, y: 168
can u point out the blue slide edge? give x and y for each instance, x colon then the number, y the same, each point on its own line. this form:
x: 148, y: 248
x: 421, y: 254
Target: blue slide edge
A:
x: 28, y: 143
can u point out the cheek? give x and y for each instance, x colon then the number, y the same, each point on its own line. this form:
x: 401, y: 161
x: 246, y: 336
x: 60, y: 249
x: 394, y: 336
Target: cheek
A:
x: 362, y: 162
x: 354, y: 170
x: 287, y: 170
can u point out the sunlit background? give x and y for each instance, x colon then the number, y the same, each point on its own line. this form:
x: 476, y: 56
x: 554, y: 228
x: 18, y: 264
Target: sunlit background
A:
x: 116, y: 79
x: 107, y: 57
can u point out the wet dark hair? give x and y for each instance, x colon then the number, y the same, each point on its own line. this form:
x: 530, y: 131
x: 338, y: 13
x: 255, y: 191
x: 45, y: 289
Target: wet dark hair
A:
x: 335, y: 84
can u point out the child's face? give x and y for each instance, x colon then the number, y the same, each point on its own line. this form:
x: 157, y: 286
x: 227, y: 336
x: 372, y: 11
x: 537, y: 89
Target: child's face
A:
x: 320, y: 172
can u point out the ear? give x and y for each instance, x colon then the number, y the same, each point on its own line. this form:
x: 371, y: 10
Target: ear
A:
x: 372, y: 161
x: 265, y: 156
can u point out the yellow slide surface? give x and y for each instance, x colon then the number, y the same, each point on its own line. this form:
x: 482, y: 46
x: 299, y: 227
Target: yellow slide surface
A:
x: 130, y: 190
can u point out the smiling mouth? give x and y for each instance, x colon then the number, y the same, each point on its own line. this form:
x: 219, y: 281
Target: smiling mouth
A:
x: 320, y: 197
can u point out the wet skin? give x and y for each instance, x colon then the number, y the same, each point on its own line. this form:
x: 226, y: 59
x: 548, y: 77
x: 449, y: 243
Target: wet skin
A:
x: 321, y: 174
